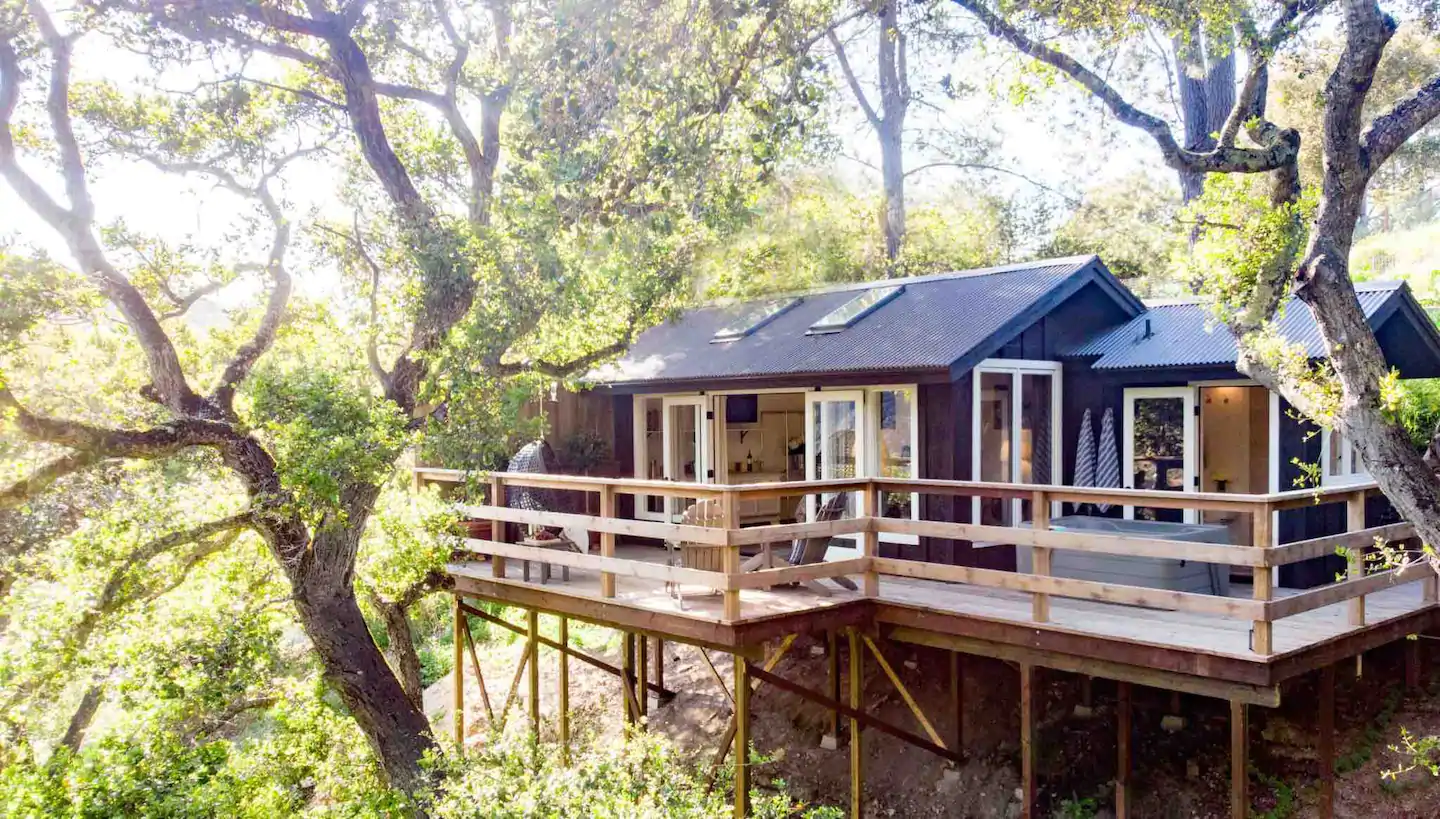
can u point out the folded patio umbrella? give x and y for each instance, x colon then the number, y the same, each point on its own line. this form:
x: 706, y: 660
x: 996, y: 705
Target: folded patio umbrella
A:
x: 530, y: 458
x: 1085, y: 454
x: 1107, y: 458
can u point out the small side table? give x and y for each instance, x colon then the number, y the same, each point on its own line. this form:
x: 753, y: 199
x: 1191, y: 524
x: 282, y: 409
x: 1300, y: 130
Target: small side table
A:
x: 548, y: 543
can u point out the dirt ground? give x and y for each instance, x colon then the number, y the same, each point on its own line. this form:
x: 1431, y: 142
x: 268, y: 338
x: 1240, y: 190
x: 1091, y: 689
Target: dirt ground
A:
x: 1184, y: 774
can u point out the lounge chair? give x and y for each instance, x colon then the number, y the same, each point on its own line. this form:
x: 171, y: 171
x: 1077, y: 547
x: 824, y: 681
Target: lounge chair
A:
x: 807, y: 550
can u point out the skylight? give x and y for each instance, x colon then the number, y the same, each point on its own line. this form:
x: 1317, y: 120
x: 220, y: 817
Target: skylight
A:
x: 857, y: 308
x: 753, y: 318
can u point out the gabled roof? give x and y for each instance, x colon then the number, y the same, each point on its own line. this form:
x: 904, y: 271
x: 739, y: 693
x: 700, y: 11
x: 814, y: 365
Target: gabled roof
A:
x: 936, y: 322
x: 1184, y: 334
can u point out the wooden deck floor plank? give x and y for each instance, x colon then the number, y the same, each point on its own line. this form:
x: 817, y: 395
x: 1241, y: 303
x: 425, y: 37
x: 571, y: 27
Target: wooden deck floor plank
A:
x: 1200, y: 633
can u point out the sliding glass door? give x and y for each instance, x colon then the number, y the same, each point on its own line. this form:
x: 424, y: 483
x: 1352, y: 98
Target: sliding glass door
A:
x: 1015, y: 432
x: 835, y: 437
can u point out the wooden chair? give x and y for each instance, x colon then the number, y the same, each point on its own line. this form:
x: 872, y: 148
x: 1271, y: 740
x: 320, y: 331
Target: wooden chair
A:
x: 805, y: 551
x: 696, y: 555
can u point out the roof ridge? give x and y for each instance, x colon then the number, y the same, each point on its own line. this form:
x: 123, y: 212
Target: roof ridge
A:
x: 1076, y: 261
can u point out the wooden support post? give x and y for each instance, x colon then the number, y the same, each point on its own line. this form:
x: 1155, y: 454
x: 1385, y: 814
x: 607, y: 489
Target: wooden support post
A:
x: 564, y: 706
x: 607, y: 539
x: 1355, y: 521
x: 870, y: 540
x: 1040, y: 556
x: 957, y: 698
x: 1239, y: 760
x: 459, y: 674
x: 730, y: 559
x: 532, y: 623
x: 1123, y: 731
x: 627, y: 676
x: 1029, y: 781
x: 832, y: 665
x: 1327, y: 742
x: 497, y: 527
x: 660, y: 663
x: 857, y: 756
x: 1262, y: 635
x: 742, y: 736
x: 642, y: 676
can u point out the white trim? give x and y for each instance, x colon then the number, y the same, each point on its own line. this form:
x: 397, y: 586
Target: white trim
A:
x: 640, y: 454
x: 698, y: 404
x: 1189, y: 443
x: 1016, y: 367
x: 1275, y: 470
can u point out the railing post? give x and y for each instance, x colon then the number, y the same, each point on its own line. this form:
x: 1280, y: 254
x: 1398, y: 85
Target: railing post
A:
x: 1040, y: 555
x: 1264, y: 585
x: 497, y: 527
x: 870, y: 540
x: 1355, y: 521
x: 459, y: 674
x: 607, y: 539
x: 730, y: 560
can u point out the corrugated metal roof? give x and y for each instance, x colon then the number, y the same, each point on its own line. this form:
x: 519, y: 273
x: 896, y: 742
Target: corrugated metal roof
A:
x: 933, y: 323
x: 1184, y: 334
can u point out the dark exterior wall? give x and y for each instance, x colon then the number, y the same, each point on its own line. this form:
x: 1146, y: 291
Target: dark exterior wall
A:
x: 624, y: 443
x: 1300, y: 445
x: 1077, y: 318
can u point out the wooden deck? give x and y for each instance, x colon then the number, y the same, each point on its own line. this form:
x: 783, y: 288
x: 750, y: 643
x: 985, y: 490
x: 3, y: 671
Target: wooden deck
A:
x: 1247, y: 642
x: 1239, y: 647
x: 1111, y: 637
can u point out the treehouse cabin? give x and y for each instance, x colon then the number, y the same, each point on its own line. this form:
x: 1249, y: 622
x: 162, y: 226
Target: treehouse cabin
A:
x: 986, y: 375
x: 1024, y: 462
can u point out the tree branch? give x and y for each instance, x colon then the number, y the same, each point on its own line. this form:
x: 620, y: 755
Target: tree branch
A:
x: 155, y: 442
x: 1394, y: 128
x: 1276, y: 153
x: 43, y: 477
x: 850, y: 78
x: 75, y: 223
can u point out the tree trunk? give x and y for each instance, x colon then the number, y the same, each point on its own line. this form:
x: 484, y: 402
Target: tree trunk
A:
x: 1205, y: 79
x: 397, y: 730
x: 404, y: 660
x: 891, y: 128
x: 84, y: 714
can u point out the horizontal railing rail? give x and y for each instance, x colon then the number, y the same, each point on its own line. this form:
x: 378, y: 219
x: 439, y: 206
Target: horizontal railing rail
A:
x: 728, y: 537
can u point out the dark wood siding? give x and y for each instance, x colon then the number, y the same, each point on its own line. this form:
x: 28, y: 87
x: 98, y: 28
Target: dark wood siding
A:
x: 1300, y: 446
x: 624, y: 432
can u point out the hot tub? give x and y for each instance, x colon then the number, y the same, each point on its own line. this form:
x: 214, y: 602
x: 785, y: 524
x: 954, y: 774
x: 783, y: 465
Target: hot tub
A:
x: 1151, y: 572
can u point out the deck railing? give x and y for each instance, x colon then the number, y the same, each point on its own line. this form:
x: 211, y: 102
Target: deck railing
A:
x: 1262, y: 609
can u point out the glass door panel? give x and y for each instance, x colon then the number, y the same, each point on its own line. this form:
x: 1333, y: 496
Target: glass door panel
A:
x: 1016, y: 409
x: 1035, y: 448
x: 686, y: 442
x: 997, y: 439
x: 649, y: 453
x: 893, y: 414
x: 1159, y: 448
x: 834, y: 443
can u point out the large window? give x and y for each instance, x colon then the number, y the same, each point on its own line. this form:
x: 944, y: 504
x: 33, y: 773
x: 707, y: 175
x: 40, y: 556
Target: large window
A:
x: 1015, y: 432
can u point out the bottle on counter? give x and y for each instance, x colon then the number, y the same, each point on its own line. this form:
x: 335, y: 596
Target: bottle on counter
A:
x: 749, y: 462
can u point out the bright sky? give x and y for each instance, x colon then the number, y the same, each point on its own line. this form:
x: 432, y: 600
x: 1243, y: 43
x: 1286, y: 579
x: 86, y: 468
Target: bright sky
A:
x: 1055, y: 141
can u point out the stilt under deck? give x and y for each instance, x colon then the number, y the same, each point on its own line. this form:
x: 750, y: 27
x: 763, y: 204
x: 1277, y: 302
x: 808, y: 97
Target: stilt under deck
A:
x: 1239, y: 647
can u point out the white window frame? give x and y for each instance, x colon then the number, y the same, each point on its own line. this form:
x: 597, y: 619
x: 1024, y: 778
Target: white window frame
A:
x: 872, y: 444
x: 1355, y: 471
x: 1016, y: 367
